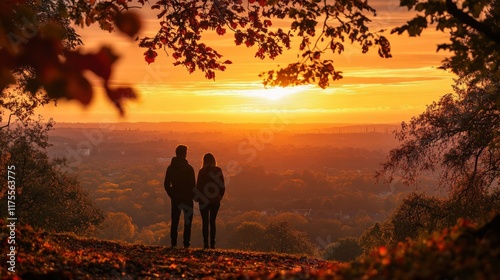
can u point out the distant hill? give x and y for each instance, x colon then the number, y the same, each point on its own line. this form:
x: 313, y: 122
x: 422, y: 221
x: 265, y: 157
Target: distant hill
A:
x: 462, y: 252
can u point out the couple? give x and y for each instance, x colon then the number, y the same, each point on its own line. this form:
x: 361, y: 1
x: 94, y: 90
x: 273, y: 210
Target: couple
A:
x: 182, y: 189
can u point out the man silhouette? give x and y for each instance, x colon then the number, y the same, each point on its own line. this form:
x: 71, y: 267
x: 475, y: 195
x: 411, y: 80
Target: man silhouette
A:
x: 180, y: 184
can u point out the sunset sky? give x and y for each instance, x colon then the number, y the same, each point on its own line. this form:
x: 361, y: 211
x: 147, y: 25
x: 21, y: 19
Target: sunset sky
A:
x: 374, y: 90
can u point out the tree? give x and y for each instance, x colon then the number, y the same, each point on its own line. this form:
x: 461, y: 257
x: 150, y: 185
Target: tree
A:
x: 38, y: 50
x: 377, y: 235
x: 248, y: 236
x: 38, y: 44
x: 420, y: 215
x: 344, y: 250
x: 458, y: 135
x: 417, y: 215
x: 474, y: 33
x: 283, y: 238
x: 49, y: 198
x: 295, y: 220
x: 118, y: 226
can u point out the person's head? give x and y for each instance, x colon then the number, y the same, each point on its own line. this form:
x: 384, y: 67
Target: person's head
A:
x: 181, y: 151
x: 209, y: 160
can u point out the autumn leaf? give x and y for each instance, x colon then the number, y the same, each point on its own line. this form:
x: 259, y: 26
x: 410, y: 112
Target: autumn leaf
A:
x: 79, y: 88
x: 129, y: 23
x: 150, y: 56
x: 102, y: 62
x: 118, y: 95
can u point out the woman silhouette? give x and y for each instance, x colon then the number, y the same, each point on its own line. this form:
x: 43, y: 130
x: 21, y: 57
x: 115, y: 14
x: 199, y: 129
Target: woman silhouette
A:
x: 210, y: 190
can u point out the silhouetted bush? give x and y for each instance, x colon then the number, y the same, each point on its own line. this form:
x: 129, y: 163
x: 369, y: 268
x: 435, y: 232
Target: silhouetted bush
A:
x: 344, y: 250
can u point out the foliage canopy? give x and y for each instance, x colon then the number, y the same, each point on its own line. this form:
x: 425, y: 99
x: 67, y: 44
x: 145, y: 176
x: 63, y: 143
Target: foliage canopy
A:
x: 458, y: 135
x: 38, y: 41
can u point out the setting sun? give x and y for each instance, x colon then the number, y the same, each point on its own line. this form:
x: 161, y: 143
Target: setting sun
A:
x: 275, y: 93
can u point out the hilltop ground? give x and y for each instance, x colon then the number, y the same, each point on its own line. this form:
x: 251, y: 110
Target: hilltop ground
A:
x: 44, y: 255
x: 462, y: 252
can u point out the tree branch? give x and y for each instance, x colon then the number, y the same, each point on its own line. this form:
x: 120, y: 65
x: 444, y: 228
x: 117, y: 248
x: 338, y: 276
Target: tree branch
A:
x: 470, y: 21
x: 8, y: 123
x: 476, y: 161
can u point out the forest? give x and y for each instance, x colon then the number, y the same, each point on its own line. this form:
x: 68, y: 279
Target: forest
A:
x: 306, y: 189
x: 315, y: 181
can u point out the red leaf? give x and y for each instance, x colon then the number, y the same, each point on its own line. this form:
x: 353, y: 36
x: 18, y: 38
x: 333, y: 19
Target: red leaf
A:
x: 210, y: 75
x: 176, y: 55
x: 117, y: 96
x: 128, y: 23
x: 204, y: 24
x: 220, y: 30
x: 150, y: 56
x: 79, y: 88
x: 101, y: 62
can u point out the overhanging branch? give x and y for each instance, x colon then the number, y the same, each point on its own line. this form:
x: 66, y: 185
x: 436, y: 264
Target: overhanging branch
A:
x: 8, y: 123
x: 472, y: 22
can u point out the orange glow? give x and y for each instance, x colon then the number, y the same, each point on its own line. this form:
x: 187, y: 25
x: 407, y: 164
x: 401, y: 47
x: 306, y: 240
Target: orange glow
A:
x: 373, y: 90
